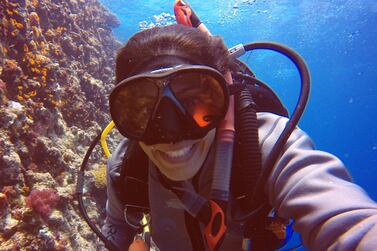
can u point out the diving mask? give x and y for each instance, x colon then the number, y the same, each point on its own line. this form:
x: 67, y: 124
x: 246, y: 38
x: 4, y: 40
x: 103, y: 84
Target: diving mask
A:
x: 170, y: 104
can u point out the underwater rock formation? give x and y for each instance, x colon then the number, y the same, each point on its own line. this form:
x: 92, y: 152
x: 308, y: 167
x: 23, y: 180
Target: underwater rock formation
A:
x: 56, y: 70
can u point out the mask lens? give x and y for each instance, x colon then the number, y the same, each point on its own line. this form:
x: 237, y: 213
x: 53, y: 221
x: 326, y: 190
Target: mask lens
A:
x: 202, y: 96
x: 132, y: 106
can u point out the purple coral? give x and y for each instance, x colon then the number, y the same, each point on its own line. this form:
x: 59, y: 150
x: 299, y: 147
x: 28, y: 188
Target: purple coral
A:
x: 42, y: 201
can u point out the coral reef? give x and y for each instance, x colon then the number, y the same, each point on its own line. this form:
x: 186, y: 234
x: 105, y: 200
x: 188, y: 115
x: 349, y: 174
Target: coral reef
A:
x: 42, y: 201
x: 99, y: 175
x: 56, y: 70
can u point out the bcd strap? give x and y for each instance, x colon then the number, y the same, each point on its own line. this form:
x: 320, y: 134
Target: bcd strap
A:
x: 202, y: 210
x: 133, y: 177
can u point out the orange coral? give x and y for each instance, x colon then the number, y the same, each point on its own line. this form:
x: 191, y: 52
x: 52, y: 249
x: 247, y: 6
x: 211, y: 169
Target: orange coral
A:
x: 16, y: 24
x: 9, y: 191
x: 57, y: 51
x: 33, y: 19
x: 25, y: 127
x: 40, y: 59
x: 44, y: 48
x: 50, y: 33
x: 36, y: 70
x: 33, y: 45
x: 60, y: 29
x: 5, y: 22
x: 14, y: 33
x: 3, y: 200
x: 9, y: 12
x: 30, y: 94
x: 56, y: 103
x: 44, y: 72
x: 10, y: 63
x: 31, y: 61
x: 25, y: 189
x: 36, y: 31
x: 34, y: 3
x: 20, y: 98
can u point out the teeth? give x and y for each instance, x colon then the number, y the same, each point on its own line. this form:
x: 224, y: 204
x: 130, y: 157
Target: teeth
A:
x: 178, y: 153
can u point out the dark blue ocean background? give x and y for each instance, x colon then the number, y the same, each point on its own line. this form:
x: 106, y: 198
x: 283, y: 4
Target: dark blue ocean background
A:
x: 337, y: 38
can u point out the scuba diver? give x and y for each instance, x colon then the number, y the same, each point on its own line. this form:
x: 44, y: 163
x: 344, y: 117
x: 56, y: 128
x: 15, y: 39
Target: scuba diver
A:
x: 210, y: 155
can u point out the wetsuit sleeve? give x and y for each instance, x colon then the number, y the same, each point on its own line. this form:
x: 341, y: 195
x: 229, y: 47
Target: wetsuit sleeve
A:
x: 116, y: 228
x: 315, y: 189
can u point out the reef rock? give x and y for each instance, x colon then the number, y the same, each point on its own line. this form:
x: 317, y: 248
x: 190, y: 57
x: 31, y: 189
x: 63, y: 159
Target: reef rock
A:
x: 56, y: 70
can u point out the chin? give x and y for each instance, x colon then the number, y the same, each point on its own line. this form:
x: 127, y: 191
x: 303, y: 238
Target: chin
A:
x: 180, y: 175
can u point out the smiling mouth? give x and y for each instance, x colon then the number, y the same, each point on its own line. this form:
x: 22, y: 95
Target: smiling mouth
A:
x: 180, y: 154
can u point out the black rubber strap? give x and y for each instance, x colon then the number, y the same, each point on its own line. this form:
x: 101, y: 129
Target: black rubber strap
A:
x: 195, y: 233
x: 195, y: 21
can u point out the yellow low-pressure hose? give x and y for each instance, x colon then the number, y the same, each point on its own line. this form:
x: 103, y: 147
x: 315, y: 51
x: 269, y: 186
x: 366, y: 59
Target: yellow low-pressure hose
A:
x: 104, y: 136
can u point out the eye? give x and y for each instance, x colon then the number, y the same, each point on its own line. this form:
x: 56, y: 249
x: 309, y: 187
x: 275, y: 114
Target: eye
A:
x: 201, y: 95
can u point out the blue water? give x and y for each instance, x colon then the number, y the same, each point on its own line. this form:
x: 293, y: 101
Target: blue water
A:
x: 337, y: 38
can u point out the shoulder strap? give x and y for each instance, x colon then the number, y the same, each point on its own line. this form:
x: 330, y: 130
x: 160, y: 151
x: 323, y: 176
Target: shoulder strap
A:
x: 264, y: 97
x: 134, y: 177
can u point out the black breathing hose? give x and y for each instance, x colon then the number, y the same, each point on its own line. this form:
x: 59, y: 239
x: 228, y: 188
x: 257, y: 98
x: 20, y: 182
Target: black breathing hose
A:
x: 257, y: 197
x: 247, y: 131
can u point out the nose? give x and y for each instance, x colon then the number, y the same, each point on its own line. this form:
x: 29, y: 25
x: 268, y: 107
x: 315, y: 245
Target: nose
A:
x: 167, y: 125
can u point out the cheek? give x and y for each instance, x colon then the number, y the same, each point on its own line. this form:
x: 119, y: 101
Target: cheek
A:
x: 147, y: 150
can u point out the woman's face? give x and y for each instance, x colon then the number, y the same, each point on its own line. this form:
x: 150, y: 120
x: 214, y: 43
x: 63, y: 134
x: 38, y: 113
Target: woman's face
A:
x: 181, y: 160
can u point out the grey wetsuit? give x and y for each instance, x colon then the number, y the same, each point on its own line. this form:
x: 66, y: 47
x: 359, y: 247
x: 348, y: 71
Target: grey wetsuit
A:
x: 312, y: 187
